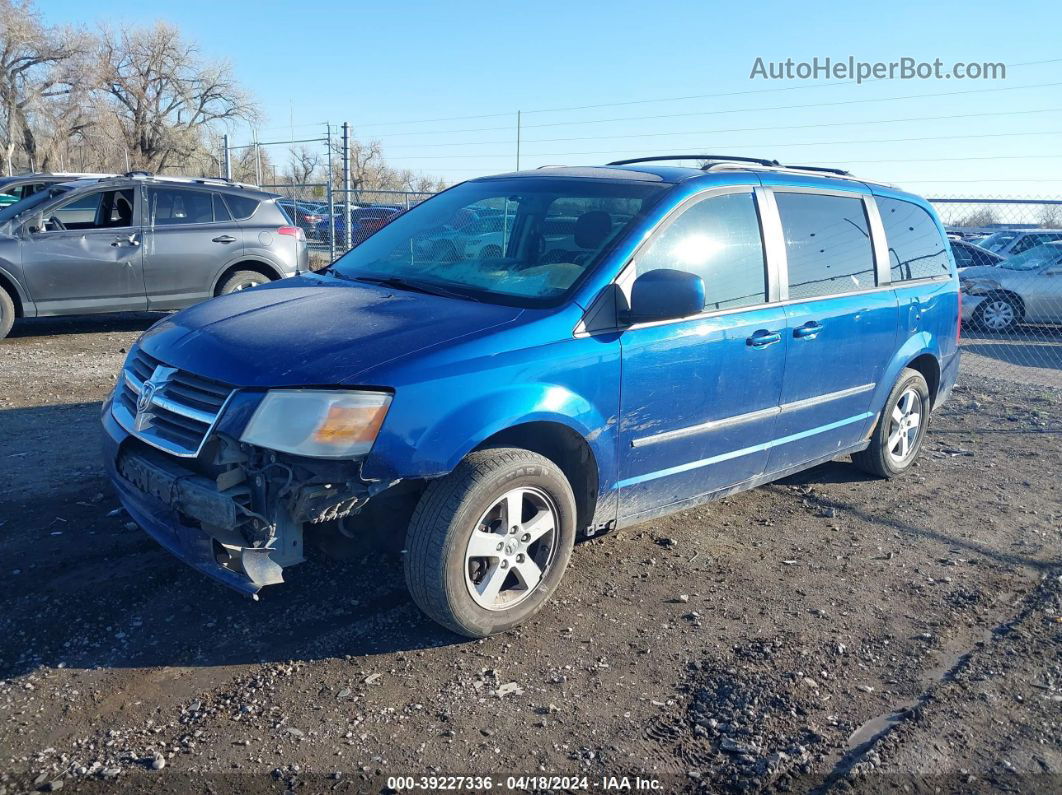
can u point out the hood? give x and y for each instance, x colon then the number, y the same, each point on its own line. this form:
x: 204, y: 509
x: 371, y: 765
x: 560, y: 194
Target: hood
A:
x: 983, y: 272
x: 313, y: 331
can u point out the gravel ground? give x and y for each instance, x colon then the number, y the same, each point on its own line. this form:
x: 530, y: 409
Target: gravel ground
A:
x: 822, y: 633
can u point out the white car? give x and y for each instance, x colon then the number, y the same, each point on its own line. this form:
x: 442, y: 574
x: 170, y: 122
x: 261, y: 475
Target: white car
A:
x: 1023, y: 288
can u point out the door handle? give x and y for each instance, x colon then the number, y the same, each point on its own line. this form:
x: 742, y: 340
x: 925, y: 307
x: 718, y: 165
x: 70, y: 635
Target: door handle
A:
x: 808, y: 331
x: 126, y: 239
x: 223, y: 239
x: 763, y: 338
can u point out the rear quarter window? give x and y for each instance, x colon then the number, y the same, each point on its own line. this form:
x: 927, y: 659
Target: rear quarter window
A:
x: 917, y: 250
x: 241, y: 207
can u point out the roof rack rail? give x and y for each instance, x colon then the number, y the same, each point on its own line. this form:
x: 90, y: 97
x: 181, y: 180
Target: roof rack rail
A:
x: 838, y: 171
x: 711, y: 158
x: 139, y: 172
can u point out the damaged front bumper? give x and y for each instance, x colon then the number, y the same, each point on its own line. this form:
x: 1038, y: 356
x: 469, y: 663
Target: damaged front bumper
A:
x: 242, y: 527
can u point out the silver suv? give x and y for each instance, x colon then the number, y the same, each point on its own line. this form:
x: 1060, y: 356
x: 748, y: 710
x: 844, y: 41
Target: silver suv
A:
x: 139, y: 242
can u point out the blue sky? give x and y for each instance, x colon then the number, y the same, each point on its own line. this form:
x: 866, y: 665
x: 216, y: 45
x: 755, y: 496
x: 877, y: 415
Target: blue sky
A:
x: 400, y: 72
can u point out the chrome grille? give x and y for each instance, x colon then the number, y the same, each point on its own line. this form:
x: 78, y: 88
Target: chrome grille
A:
x: 179, y: 410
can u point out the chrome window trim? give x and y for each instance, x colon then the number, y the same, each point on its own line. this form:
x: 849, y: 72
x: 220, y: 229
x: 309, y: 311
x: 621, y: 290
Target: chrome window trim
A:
x: 878, y: 241
x: 774, y: 252
x: 752, y: 416
x: 774, y: 247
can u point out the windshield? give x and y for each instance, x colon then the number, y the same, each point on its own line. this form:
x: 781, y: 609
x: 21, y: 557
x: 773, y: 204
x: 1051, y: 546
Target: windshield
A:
x: 1046, y: 254
x: 40, y: 197
x: 997, y: 240
x: 523, y: 241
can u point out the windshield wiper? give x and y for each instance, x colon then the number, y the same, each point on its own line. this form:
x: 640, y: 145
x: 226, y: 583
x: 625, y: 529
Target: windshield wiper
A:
x: 416, y: 287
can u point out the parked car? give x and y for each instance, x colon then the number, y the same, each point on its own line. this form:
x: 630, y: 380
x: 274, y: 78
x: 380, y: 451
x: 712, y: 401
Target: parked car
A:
x: 15, y: 189
x: 970, y: 255
x: 364, y: 221
x: 1008, y: 242
x: 306, y: 215
x: 737, y: 323
x: 1026, y: 288
x: 139, y: 242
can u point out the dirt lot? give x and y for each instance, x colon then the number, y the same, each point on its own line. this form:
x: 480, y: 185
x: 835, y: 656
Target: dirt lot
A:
x: 821, y: 633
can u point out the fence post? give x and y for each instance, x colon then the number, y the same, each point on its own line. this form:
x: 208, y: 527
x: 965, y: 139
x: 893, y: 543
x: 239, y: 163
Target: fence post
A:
x: 226, y: 164
x: 331, y: 198
x: 347, y: 234
x: 517, y: 140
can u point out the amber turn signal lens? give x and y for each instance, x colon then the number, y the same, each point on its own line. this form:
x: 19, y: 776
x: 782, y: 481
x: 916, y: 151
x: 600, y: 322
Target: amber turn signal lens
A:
x: 346, y: 425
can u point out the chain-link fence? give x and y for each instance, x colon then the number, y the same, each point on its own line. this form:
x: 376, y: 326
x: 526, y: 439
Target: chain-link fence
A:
x: 1009, y: 253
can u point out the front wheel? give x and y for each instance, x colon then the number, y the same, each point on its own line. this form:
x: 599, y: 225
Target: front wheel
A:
x: 898, y: 436
x: 997, y: 313
x: 489, y: 543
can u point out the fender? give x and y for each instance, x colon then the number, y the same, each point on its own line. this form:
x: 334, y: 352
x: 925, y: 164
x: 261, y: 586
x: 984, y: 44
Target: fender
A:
x: 436, y: 450
x: 10, y: 276
x: 916, y: 345
x: 271, y: 266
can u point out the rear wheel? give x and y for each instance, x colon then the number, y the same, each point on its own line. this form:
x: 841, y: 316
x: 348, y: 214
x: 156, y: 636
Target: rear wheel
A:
x: 489, y: 543
x: 242, y: 280
x: 7, y: 313
x: 898, y: 436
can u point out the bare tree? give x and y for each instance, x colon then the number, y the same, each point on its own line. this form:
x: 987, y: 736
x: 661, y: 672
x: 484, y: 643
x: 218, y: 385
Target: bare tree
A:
x: 164, y: 94
x: 303, y: 165
x: 40, y: 87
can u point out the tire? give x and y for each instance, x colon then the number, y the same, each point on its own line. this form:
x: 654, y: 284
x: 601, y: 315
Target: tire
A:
x: 999, y: 312
x: 441, y: 569
x: 242, y: 280
x: 7, y: 313
x: 889, y: 460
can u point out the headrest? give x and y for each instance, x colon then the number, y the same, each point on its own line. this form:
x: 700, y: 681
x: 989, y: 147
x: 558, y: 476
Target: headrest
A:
x: 592, y: 229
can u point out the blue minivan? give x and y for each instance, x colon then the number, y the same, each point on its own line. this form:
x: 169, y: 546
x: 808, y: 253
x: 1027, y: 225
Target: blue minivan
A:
x: 644, y: 337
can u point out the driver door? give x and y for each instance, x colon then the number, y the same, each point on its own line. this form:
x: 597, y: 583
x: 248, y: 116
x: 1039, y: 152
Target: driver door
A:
x: 87, y: 256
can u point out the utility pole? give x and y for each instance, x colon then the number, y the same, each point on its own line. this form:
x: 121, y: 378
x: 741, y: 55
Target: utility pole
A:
x: 517, y: 140
x: 226, y: 164
x: 347, y: 238
x: 257, y: 160
x: 331, y: 196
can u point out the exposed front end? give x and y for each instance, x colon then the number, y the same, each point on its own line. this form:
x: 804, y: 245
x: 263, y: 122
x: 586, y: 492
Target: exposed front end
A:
x: 176, y: 450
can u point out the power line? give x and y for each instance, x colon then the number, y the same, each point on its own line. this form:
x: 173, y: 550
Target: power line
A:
x: 798, y: 107
x: 732, y: 129
x: 735, y: 110
x: 788, y: 144
x: 658, y: 99
x: 723, y: 146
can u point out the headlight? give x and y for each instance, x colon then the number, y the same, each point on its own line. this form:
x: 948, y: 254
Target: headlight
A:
x: 319, y: 423
x: 978, y: 286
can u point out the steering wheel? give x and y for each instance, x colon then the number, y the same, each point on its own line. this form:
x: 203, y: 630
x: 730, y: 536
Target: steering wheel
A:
x: 55, y: 222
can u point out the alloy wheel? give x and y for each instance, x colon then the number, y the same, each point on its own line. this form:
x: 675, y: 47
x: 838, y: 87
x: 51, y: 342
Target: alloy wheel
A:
x: 904, y: 425
x: 511, y: 548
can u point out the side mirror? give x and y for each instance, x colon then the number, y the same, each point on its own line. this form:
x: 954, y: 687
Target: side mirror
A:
x: 665, y: 294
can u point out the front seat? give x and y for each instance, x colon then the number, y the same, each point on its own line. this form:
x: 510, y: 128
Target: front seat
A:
x: 591, y: 231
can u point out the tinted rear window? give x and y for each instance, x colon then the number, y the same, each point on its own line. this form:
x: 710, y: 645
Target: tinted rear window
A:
x: 827, y: 244
x: 917, y: 250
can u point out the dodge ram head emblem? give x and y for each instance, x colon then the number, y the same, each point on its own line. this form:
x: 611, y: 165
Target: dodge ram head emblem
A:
x: 145, y: 401
x: 147, y: 394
